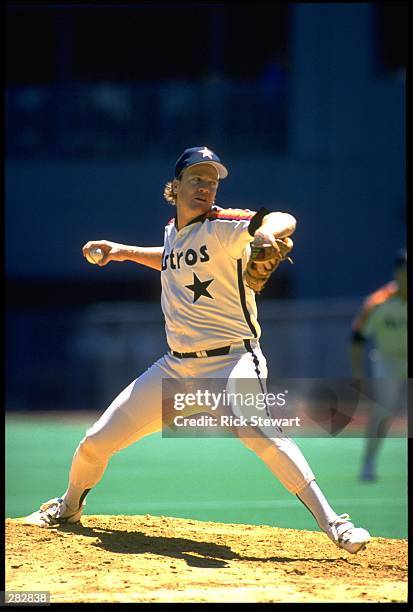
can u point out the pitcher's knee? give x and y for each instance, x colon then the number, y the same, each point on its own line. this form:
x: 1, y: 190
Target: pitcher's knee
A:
x: 94, y: 448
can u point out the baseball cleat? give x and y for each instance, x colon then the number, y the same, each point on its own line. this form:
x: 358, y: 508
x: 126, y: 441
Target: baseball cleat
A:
x: 52, y: 514
x: 346, y: 536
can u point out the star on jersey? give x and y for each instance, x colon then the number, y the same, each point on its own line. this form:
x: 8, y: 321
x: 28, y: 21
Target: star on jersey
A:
x: 200, y: 288
x: 206, y: 152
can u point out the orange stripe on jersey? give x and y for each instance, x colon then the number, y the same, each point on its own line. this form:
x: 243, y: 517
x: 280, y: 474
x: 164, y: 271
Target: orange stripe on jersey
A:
x: 371, y: 302
x: 231, y: 214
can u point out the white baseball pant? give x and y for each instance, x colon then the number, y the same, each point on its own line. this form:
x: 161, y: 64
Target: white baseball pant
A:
x: 137, y: 412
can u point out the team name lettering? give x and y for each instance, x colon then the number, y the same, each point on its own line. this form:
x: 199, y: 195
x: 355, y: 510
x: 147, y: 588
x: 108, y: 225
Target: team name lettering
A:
x: 190, y: 257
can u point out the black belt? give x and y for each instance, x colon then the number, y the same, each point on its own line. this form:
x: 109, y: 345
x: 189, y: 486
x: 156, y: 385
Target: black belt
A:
x: 223, y: 350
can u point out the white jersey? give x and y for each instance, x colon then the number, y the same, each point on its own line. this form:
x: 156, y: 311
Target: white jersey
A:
x: 383, y: 320
x: 205, y: 301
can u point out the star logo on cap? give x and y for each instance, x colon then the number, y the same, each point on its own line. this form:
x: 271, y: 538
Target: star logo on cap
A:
x: 206, y: 153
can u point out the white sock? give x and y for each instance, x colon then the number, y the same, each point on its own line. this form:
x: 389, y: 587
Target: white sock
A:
x: 312, y: 497
x: 73, y: 498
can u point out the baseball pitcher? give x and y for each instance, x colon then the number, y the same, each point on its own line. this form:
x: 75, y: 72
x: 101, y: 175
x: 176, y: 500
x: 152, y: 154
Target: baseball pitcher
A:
x: 212, y: 263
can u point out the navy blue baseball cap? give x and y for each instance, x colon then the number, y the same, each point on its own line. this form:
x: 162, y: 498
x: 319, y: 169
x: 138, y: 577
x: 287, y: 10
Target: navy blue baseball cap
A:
x: 199, y: 155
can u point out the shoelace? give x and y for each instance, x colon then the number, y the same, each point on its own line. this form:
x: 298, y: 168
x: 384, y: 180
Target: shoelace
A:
x: 339, y: 522
x: 51, y: 508
x: 52, y: 512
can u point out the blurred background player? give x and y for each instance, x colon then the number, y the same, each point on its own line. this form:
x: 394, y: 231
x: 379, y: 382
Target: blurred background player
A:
x: 379, y: 332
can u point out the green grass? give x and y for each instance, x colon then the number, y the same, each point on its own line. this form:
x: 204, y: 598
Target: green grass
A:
x: 205, y: 479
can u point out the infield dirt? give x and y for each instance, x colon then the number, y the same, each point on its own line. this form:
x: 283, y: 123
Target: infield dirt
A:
x: 162, y: 559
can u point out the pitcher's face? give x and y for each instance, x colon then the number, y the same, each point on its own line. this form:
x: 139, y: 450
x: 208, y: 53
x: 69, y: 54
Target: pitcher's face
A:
x: 197, y: 188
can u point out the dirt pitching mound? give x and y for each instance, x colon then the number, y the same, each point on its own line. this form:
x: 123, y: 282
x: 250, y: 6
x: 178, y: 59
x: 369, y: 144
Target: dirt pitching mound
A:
x: 162, y: 559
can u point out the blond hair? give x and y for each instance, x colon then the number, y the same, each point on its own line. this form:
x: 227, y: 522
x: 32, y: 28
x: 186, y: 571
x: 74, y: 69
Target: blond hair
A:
x: 169, y: 194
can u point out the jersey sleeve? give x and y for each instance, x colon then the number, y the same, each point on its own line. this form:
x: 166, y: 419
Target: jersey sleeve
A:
x: 235, y: 228
x: 364, y: 324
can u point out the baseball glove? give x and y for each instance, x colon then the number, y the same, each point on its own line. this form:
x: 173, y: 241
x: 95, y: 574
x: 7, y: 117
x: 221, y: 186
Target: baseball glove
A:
x: 264, y: 259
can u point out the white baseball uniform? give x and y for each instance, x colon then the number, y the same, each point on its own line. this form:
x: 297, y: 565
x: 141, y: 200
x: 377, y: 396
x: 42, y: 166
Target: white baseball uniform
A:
x: 206, y: 305
x: 386, y: 326
x: 383, y: 321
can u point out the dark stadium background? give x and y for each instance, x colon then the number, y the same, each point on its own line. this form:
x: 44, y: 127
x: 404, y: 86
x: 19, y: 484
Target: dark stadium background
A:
x: 305, y: 103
